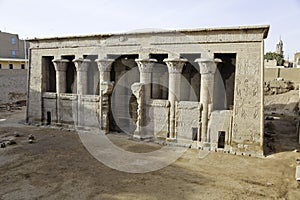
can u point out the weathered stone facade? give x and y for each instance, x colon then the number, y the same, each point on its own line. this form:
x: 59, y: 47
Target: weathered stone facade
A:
x: 203, y: 86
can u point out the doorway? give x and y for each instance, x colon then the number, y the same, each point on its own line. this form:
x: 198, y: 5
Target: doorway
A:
x: 48, y: 118
x: 227, y: 72
x: 221, y: 139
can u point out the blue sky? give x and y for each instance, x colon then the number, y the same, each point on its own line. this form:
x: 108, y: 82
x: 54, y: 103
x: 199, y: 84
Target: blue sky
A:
x: 37, y: 18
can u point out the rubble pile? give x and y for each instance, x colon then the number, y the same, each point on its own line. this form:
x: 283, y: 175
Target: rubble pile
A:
x: 277, y: 86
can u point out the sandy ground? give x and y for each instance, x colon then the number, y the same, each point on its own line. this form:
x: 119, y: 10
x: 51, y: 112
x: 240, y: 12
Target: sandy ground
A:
x: 57, y: 166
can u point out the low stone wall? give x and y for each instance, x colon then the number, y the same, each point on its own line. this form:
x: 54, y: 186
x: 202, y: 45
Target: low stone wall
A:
x: 291, y: 74
x: 13, y: 85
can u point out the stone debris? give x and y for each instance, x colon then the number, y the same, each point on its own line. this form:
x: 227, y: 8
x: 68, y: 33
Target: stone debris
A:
x: 16, y: 134
x: 11, y: 142
x: 277, y: 86
x: 271, y: 118
x: 31, y: 138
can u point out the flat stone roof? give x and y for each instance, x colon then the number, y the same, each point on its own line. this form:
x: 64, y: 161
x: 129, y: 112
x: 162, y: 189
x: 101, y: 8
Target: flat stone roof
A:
x: 263, y: 28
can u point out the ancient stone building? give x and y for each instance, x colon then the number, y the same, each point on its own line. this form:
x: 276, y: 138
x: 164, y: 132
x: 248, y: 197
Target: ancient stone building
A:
x: 201, y: 86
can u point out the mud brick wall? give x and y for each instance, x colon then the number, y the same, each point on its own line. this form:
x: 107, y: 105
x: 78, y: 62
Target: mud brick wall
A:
x: 13, y: 85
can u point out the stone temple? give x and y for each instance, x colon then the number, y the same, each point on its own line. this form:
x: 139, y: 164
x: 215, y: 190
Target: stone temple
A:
x: 202, y: 86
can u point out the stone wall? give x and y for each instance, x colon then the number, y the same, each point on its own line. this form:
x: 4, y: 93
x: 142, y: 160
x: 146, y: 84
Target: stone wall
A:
x: 290, y: 74
x: 187, y: 120
x: 13, y: 85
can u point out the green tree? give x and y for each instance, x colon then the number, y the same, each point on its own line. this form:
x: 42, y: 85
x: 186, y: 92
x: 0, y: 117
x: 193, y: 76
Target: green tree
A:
x: 274, y: 56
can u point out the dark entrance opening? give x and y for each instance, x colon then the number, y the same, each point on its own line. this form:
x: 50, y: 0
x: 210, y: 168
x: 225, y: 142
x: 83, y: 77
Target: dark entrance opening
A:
x: 93, y: 75
x: 221, y: 139
x: 48, y: 118
x: 190, y: 87
x: 160, y: 77
x: 70, y: 75
x: 49, y: 74
x: 194, y: 134
x: 227, y: 72
x: 121, y: 100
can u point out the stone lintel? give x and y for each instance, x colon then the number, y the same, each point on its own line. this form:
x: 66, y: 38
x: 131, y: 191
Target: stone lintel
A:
x: 60, y: 64
x: 104, y: 65
x: 175, y: 65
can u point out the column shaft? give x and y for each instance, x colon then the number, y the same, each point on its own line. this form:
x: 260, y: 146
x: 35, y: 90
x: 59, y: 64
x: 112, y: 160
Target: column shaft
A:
x: 105, y: 87
x: 207, y: 70
x: 174, y: 68
x: 82, y: 66
x: 142, y: 91
x: 61, y: 68
x: 146, y: 68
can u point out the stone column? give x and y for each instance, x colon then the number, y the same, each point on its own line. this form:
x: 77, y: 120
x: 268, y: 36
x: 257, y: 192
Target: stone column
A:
x: 61, y: 78
x: 105, y: 87
x: 146, y: 68
x: 60, y: 66
x: 82, y: 66
x: 207, y: 70
x: 142, y: 92
x: 174, y: 68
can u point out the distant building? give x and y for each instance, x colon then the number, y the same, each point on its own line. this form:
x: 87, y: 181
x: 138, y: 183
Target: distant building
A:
x: 273, y: 63
x: 13, y: 51
x: 297, y: 60
x: 279, y: 47
x: 13, y: 68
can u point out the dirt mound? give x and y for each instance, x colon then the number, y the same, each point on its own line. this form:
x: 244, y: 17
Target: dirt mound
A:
x: 282, y: 104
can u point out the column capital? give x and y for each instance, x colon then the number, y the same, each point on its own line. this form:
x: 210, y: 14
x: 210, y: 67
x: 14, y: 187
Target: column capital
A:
x: 208, y: 65
x: 81, y: 64
x: 104, y: 65
x: 60, y: 64
x: 145, y: 64
x: 175, y: 65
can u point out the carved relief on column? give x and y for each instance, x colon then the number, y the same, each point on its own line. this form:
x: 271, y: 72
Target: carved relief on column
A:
x: 146, y: 67
x: 207, y: 70
x: 81, y: 64
x: 138, y: 90
x: 145, y: 64
x: 104, y: 67
x: 175, y: 67
x: 106, y: 88
x: 60, y: 66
